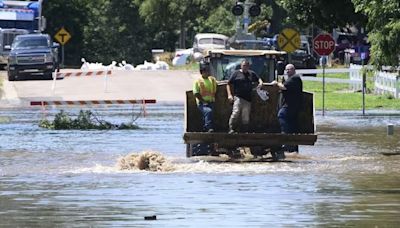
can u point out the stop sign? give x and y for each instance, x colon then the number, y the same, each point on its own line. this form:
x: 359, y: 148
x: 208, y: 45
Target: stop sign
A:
x: 324, y: 44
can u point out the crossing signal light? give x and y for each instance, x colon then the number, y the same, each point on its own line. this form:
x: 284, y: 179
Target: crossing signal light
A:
x: 254, y: 10
x: 237, y: 10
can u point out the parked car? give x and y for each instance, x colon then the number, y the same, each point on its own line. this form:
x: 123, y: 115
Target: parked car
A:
x: 255, y: 44
x: 181, y: 57
x: 207, y: 41
x: 357, y: 54
x: 32, y: 55
x: 344, y: 41
x: 302, y: 58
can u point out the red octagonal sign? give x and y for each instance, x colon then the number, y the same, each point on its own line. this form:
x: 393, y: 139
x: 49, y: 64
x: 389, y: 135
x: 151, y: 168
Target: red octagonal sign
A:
x: 324, y: 44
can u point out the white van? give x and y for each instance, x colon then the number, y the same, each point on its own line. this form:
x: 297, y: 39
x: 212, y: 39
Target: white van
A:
x: 207, y: 41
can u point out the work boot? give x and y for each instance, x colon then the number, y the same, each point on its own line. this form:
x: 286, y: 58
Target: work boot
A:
x: 231, y: 128
x: 280, y: 155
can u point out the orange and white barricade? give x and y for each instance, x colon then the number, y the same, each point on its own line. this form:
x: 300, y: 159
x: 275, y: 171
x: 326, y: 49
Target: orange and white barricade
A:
x: 94, y: 102
x: 61, y: 75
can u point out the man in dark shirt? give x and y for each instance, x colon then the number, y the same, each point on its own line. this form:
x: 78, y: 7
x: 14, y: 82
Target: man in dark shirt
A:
x: 239, y: 88
x: 292, y: 92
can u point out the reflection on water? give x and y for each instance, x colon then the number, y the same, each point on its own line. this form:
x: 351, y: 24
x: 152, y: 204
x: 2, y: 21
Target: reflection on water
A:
x: 73, y: 178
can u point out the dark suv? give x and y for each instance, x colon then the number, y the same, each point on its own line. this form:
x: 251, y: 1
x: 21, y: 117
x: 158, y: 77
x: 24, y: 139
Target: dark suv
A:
x: 302, y: 58
x: 32, y: 55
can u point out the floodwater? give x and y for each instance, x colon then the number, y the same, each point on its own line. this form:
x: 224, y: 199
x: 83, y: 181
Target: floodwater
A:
x: 60, y: 178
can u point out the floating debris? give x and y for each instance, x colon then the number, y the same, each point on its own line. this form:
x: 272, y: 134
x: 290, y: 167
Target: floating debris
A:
x: 390, y: 153
x: 86, y: 120
x: 153, y: 217
x: 147, y: 160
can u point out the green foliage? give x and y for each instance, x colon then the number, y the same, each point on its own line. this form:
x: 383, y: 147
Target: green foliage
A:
x: 101, y: 30
x: 384, y: 26
x: 72, y: 15
x: 86, y: 120
x: 115, y: 32
x: 325, y: 14
x: 220, y: 20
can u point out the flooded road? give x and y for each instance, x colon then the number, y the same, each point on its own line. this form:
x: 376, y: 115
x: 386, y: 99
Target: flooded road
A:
x: 59, y: 178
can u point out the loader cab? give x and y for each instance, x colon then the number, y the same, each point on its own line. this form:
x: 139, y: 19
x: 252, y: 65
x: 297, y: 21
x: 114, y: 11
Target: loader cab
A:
x: 224, y: 62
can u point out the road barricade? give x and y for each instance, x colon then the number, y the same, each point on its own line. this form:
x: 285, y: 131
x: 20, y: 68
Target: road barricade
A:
x: 143, y: 102
x: 61, y: 75
x: 93, y: 102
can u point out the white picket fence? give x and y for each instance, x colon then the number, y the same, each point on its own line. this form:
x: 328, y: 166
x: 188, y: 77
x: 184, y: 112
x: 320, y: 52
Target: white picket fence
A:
x: 354, y: 71
x: 387, y: 83
x: 355, y: 77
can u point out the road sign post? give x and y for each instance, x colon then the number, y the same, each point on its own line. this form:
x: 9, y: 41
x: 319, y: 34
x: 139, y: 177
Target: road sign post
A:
x: 323, y: 45
x: 62, y: 37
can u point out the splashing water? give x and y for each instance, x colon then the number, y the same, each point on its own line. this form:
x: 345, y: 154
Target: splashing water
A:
x: 147, y: 160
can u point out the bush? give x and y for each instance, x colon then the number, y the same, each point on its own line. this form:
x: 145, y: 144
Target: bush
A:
x: 86, y: 120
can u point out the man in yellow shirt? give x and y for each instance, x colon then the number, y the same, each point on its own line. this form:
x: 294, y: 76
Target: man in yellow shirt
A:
x: 204, y: 90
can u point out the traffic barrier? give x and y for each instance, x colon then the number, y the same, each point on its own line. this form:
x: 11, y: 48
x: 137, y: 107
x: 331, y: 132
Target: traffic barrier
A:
x: 59, y: 75
x: 143, y: 102
x: 93, y: 102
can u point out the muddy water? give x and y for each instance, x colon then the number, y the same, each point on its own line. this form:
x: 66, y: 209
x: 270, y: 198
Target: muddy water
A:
x: 71, y: 178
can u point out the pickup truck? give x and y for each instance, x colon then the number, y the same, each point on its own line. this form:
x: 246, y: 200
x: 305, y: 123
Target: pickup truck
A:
x: 32, y: 55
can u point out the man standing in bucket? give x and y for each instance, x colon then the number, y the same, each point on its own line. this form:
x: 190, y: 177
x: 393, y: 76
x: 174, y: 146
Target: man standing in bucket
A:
x: 204, y: 90
x: 239, y: 90
x: 292, y: 92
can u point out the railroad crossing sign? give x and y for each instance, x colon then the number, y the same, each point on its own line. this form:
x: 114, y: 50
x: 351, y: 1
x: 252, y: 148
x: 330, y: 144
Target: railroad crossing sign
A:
x: 289, y: 40
x: 62, y: 36
x: 324, y: 44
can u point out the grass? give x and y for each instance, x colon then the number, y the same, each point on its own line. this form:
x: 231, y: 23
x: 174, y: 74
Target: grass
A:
x: 339, y: 97
x: 336, y: 75
x: 190, y: 66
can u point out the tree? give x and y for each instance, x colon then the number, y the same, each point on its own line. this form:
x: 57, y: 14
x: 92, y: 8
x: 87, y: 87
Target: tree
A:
x: 384, y: 29
x: 115, y: 31
x: 183, y: 19
x: 325, y: 14
x: 171, y: 17
x: 73, y: 16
